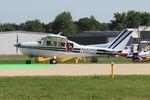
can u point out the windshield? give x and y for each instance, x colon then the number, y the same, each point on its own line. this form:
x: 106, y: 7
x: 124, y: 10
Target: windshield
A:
x: 54, y: 41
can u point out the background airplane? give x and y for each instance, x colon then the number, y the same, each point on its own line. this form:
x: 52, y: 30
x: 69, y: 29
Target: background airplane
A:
x: 137, y: 56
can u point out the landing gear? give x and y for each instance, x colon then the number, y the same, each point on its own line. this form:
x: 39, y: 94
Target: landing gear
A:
x: 53, y: 61
x: 28, y: 61
x: 94, y: 60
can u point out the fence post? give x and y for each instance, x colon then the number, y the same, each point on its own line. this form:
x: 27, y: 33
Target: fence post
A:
x: 112, y: 70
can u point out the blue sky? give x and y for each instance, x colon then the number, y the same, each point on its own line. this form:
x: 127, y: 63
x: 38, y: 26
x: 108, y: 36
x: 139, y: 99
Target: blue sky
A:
x: 18, y: 11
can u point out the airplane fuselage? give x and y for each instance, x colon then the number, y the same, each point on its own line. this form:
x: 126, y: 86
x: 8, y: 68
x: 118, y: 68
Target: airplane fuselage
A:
x: 38, y: 50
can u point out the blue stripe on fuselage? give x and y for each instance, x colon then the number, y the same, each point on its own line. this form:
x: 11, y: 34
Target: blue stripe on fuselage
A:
x: 101, y: 46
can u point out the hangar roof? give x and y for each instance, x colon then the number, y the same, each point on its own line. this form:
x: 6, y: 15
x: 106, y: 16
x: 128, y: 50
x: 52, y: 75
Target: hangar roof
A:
x: 96, y: 33
x: 9, y: 32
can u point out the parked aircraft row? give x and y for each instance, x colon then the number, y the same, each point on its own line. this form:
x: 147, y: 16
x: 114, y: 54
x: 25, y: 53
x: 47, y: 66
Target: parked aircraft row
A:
x: 136, y: 54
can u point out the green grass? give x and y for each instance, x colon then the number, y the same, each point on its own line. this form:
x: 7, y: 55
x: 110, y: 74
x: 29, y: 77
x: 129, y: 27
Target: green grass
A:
x: 75, y: 88
x: 14, y: 59
x: 20, y: 59
x: 105, y: 60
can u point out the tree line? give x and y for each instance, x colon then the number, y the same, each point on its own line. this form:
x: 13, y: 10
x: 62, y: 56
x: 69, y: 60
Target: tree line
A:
x: 64, y: 23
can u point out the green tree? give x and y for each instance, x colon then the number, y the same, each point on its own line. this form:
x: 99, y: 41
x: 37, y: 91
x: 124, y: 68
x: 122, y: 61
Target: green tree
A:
x: 1, y: 27
x: 88, y: 24
x: 63, y: 23
x: 145, y: 18
x: 95, y: 24
x: 133, y: 19
x: 119, y: 22
x: 105, y: 27
x: 8, y: 27
x: 77, y: 26
x: 48, y: 27
x: 33, y: 25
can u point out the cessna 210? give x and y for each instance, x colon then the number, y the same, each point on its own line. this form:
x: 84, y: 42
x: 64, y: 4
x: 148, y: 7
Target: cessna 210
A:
x: 59, y: 47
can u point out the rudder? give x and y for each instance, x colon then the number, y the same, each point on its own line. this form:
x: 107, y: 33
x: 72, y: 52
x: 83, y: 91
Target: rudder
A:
x: 121, y: 40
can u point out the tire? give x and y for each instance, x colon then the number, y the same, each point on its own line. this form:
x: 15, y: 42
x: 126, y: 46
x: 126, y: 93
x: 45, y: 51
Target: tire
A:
x: 94, y: 60
x: 28, y: 61
x: 53, y: 61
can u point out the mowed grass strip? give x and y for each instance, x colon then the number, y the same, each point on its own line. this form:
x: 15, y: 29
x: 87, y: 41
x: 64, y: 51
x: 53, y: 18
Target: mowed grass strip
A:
x: 20, y: 59
x: 75, y: 88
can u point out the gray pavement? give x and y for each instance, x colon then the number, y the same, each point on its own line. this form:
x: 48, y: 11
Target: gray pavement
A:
x: 78, y: 70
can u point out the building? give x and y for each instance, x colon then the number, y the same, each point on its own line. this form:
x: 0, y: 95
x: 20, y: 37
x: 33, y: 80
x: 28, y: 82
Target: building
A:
x: 8, y: 39
x: 94, y: 37
x: 102, y: 37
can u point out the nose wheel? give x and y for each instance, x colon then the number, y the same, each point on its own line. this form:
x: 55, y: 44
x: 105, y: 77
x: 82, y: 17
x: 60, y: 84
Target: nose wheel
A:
x: 28, y: 61
x: 53, y: 61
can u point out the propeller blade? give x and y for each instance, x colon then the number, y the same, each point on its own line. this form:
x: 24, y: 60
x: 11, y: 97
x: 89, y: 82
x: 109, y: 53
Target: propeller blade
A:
x: 17, y: 47
x: 17, y: 39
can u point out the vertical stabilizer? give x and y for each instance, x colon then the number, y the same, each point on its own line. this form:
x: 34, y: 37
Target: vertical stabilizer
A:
x: 121, y: 40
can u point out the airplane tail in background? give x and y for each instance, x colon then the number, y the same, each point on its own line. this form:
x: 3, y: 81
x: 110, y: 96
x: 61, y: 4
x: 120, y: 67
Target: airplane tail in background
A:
x: 121, y: 40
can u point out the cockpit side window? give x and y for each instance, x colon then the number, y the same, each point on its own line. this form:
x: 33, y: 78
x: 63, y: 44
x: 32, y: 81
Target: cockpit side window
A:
x: 70, y: 45
x: 61, y: 44
x: 54, y: 43
x: 51, y: 43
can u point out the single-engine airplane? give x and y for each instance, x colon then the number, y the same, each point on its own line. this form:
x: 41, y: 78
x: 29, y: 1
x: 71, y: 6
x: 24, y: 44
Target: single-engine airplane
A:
x: 59, y: 47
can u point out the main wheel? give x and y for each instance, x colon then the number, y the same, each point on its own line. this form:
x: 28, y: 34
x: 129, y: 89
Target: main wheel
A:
x: 53, y: 61
x: 28, y: 61
x: 94, y: 60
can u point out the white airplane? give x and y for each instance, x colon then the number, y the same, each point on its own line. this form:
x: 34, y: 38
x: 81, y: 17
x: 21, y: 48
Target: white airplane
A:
x: 59, y: 47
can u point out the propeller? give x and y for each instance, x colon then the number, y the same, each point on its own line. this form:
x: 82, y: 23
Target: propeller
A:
x: 17, y: 45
